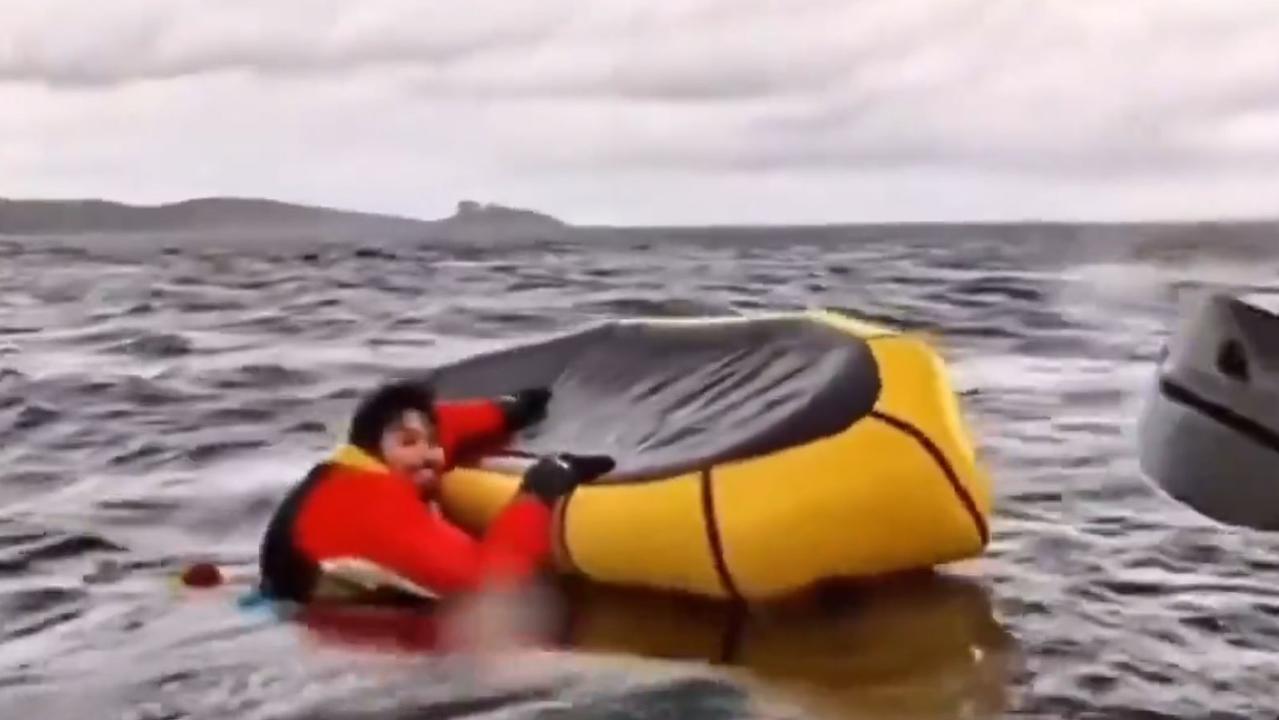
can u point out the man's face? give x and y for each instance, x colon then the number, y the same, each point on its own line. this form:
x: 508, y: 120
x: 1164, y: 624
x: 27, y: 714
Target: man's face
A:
x: 410, y: 446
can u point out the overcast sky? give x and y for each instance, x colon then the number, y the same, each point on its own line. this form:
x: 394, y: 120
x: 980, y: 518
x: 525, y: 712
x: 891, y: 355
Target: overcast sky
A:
x: 653, y: 111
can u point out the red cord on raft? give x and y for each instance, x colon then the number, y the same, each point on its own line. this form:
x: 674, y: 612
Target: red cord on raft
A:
x: 202, y: 575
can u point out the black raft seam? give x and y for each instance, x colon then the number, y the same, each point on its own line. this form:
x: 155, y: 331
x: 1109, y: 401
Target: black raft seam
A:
x: 712, y: 536
x: 960, y: 491
x: 1245, y: 426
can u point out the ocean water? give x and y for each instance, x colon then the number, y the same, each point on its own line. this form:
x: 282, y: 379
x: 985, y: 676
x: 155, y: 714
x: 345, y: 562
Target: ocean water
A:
x: 157, y: 400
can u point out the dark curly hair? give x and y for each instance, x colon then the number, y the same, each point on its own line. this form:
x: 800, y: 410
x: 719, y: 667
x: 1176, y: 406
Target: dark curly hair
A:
x: 384, y: 406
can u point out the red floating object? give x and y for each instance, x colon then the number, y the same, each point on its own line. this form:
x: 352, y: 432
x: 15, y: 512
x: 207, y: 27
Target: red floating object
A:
x: 202, y: 575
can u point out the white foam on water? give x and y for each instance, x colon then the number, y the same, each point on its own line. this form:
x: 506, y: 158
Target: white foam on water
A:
x: 1144, y: 282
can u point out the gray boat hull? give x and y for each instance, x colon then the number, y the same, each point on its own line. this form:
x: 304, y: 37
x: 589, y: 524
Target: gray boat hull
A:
x: 1208, y: 432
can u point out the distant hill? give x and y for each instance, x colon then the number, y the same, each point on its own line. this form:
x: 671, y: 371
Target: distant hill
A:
x: 256, y: 221
x: 257, y: 218
x: 473, y: 218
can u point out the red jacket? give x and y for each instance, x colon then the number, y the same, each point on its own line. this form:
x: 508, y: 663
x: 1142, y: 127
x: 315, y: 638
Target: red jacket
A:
x: 353, y: 513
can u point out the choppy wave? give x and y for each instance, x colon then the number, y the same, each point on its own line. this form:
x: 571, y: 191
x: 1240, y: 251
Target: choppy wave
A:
x: 154, y: 406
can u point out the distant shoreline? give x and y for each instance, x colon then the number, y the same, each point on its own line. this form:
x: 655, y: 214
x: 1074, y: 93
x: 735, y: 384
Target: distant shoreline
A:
x: 70, y: 217
x: 237, y: 215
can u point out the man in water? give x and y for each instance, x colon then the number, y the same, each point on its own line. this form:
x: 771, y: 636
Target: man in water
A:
x: 362, y: 523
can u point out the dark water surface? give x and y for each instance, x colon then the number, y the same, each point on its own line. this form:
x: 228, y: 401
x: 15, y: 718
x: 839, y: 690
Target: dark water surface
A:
x: 155, y: 405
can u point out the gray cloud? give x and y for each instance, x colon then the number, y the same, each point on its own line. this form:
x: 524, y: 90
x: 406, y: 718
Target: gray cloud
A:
x: 1048, y: 88
x: 400, y: 104
x: 76, y: 42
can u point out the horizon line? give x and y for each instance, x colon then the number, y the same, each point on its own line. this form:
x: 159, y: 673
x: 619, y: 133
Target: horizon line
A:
x: 710, y: 225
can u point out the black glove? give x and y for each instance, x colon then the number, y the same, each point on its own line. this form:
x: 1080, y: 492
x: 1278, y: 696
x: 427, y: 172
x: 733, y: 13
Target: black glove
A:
x: 524, y: 407
x: 556, y: 475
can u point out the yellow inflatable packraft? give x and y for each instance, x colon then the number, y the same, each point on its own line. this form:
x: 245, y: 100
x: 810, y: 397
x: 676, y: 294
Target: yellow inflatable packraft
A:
x: 756, y: 456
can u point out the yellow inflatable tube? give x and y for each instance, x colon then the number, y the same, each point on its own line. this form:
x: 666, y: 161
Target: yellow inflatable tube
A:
x: 893, y: 486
